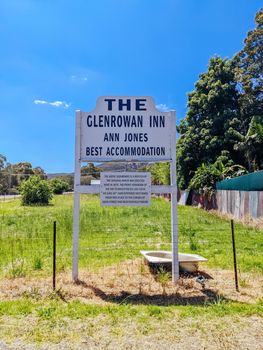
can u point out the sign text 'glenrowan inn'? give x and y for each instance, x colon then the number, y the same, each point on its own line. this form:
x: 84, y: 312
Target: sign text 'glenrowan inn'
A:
x: 125, y: 129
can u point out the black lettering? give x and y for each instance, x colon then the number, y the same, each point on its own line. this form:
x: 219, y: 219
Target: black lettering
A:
x: 93, y: 151
x: 157, y: 121
x: 122, y: 104
x: 89, y: 120
x: 111, y: 136
x: 109, y: 100
x: 139, y: 104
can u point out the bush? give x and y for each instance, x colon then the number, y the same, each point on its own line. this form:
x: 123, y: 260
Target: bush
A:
x: 58, y: 186
x: 207, y: 175
x: 35, y: 191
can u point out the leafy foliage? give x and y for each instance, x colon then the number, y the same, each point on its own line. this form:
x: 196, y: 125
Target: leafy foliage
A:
x: 225, y: 114
x: 249, y: 72
x: 22, y: 171
x: 211, y: 120
x: 251, y: 144
x: 4, y: 175
x: 206, y: 175
x: 12, y: 175
x: 58, y: 185
x: 2, y: 161
x: 88, y: 173
x: 91, y: 170
x: 160, y: 173
x: 35, y: 191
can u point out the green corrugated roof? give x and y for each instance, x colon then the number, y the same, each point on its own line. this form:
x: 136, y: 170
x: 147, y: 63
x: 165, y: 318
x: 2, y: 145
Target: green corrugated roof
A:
x: 249, y: 182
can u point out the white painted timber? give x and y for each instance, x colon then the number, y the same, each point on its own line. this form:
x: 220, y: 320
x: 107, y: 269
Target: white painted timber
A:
x: 174, y: 217
x: 96, y: 189
x: 75, y: 244
x: 106, y: 135
x: 125, y: 128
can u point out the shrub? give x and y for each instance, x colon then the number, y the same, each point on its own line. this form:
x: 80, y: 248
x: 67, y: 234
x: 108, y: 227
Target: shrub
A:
x: 58, y: 185
x: 38, y: 263
x: 35, y: 191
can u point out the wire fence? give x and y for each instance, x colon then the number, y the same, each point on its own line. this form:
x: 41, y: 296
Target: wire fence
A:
x: 111, y: 240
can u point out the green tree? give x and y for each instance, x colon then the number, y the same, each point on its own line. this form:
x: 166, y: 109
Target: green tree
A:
x: 40, y: 172
x: 2, y: 161
x: 35, y: 191
x: 251, y: 145
x: 211, y: 121
x: 20, y: 172
x: 88, y: 173
x: 90, y: 170
x: 69, y: 178
x: 23, y: 170
x: 249, y: 76
x: 4, y: 175
x: 58, y: 185
x: 249, y: 73
x: 207, y: 175
x: 160, y: 173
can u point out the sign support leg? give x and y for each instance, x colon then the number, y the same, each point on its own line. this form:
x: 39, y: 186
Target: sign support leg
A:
x: 174, y: 216
x: 75, y: 253
x: 174, y: 229
x: 75, y: 245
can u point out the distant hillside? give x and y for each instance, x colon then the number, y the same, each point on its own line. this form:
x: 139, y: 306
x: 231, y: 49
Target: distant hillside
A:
x: 107, y: 166
x: 119, y: 166
x: 51, y: 176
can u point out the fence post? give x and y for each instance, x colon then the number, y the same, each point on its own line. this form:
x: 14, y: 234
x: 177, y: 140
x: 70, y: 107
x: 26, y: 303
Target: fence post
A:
x: 234, y: 253
x: 54, y: 253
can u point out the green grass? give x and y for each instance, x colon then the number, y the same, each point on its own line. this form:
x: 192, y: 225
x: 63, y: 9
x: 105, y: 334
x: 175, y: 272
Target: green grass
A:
x: 56, y: 309
x: 55, y: 321
x: 109, y: 235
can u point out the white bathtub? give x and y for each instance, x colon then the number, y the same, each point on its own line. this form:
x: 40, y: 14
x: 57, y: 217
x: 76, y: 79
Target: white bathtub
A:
x: 187, y: 262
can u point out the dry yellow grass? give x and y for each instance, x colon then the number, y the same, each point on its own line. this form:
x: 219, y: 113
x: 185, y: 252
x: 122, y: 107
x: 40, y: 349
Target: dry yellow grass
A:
x: 133, y: 282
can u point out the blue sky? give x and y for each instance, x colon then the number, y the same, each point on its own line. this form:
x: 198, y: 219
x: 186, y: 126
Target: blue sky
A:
x: 59, y: 55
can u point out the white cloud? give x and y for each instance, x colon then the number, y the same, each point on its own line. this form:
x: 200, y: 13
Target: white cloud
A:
x: 54, y: 104
x: 79, y: 78
x: 163, y: 107
x: 59, y: 104
x: 84, y: 75
x: 40, y: 102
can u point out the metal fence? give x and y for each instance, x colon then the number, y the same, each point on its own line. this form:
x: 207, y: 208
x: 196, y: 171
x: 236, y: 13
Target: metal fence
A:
x: 240, y: 204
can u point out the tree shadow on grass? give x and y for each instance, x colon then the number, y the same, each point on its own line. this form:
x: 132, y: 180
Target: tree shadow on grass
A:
x: 204, y: 296
x: 209, y: 297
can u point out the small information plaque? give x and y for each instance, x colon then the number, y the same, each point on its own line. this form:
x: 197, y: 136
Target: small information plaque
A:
x: 125, y: 189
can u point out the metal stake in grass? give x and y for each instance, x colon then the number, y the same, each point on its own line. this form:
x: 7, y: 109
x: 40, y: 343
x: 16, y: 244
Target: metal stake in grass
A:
x: 234, y: 254
x: 54, y: 253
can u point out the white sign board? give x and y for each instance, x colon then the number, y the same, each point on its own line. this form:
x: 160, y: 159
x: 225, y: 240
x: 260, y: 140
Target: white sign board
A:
x: 125, y: 189
x: 125, y: 128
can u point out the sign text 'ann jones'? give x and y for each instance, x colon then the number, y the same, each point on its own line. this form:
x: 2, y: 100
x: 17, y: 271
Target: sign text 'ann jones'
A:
x: 125, y: 129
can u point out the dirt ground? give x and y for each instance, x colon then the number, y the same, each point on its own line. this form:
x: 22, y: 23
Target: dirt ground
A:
x: 133, y: 282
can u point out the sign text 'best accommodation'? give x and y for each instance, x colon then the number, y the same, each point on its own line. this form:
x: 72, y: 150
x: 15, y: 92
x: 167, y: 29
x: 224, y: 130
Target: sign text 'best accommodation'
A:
x: 125, y: 128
